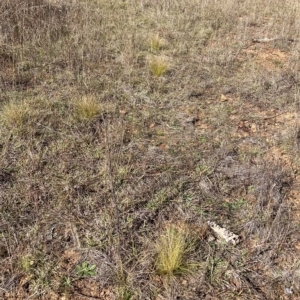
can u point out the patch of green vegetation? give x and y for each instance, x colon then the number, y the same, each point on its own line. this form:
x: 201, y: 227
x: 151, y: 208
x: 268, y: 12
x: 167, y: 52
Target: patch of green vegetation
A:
x: 156, y: 43
x: 87, y: 108
x: 85, y: 270
x: 172, y: 248
x: 235, y: 204
x: 15, y: 115
x: 203, y: 170
x: 27, y: 263
x: 217, y: 267
x: 124, y: 293
x: 157, y: 201
x: 158, y: 66
x: 66, y: 284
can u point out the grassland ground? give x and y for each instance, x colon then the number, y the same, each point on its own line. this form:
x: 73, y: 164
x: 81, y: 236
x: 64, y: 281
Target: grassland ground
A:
x: 126, y: 126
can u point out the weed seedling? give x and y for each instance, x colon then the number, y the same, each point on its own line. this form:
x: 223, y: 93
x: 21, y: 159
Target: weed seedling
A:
x: 85, y: 270
x: 66, y: 284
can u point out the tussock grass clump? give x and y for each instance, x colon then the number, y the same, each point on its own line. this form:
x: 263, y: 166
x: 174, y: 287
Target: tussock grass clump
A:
x: 156, y: 43
x: 172, y: 248
x: 15, y: 114
x: 158, y: 66
x: 26, y: 263
x: 87, y: 108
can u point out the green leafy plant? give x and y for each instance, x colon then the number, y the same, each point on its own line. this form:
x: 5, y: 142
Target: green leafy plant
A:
x: 85, y: 270
x: 65, y: 284
x: 124, y: 293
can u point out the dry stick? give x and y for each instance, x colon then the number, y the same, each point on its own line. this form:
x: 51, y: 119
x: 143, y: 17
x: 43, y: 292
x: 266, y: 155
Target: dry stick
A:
x: 116, y: 212
x: 271, y: 117
x: 49, y: 128
x: 267, y: 40
x: 112, y: 186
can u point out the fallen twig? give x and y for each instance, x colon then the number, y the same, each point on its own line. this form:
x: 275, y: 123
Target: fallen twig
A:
x: 268, y: 40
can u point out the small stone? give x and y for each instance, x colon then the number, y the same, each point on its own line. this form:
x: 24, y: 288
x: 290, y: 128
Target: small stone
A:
x: 288, y: 291
x: 253, y: 127
x: 211, y: 238
x: 223, y: 98
x: 184, y: 282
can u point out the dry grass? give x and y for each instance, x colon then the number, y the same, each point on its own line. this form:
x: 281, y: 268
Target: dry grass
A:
x: 87, y: 108
x: 118, y: 117
x: 157, y: 43
x: 14, y: 115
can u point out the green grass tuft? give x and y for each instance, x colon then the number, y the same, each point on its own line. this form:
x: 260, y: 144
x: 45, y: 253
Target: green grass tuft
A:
x: 156, y: 43
x: 87, y: 108
x: 15, y: 114
x: 158, y: 66
x: 172, y: 249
